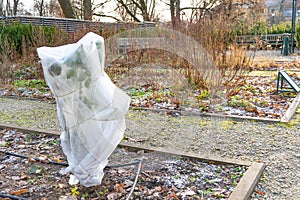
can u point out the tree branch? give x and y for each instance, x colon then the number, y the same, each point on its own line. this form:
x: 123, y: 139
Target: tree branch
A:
x: 128, y: 11
x: 108, y: 16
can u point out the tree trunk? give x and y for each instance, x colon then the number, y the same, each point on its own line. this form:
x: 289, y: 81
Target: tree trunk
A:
x: 177, y: 7
x: 67, y: 8
x: 175, y: 13
x: 172, y: 10
x: 144, y: 10
x: 41, y: 7
x: 87, y: 9
x: 15, y: 8
x: 8, y: 11
x: 55, y: 9
x: 1, y: 8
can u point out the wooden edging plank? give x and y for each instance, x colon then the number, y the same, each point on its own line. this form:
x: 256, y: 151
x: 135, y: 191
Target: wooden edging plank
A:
x: 248, y: 182
x: 204, y: 157
x: 291, y: 110
x: 268, y: 120
x: 245, y: 186
x: 193, y: 113
x: 243, y: 190
x: 27, y: 129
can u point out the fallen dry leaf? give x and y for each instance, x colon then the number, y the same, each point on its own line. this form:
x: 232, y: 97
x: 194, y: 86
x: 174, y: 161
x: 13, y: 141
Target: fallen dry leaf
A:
x: 260, y: 192
x: 18, y: 192
x: 119, y: 187
x: 172, y: 196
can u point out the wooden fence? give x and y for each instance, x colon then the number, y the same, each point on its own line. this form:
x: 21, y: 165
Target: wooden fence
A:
x: 72, y: 25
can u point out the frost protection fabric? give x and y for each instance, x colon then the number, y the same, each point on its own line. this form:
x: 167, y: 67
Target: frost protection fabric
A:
x: 90, y: 107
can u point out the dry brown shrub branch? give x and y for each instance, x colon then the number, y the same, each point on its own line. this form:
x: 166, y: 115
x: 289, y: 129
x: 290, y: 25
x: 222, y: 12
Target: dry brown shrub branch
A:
x: 216, y: 35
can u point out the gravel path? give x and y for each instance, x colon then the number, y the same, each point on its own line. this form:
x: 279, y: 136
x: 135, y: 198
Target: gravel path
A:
x: 275, y: 144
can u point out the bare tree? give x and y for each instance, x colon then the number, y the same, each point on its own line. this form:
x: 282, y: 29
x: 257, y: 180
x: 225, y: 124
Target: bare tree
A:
x: 11, y: 9
x: 87, y: 9
x: 198, y: 10
x: 175, y: 12
x: 129, y: 10
x: 203, y: 9
x: 22, y: 10
x: 99, y: 11
x: 137, y: 10
x: 82, y: 9
x: 55, y: 9
x: 15, y: 7
x: 1, y: 8
x: 123, y: 14
x: 248, y: 10
x: 8, y: 8
x: 40, y: 7
x: 67, y: 8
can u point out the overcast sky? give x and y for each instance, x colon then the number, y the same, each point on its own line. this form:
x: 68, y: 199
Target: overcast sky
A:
x: 28, y: 4
x: 162, y: 9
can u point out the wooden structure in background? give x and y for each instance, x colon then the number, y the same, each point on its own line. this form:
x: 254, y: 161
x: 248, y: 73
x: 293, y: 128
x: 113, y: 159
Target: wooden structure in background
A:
x: 274, y: 40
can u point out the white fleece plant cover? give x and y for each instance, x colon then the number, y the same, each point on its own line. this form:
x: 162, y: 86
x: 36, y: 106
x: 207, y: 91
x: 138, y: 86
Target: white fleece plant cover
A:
x: 90, y: 107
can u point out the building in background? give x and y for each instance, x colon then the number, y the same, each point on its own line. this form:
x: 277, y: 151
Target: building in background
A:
x: 280, y: 11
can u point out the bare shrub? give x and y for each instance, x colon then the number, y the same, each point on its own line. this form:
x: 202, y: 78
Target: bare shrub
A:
x: 23, y: 63
x: 6, y: 62
x: 160, y: 58
x: 217, y: 35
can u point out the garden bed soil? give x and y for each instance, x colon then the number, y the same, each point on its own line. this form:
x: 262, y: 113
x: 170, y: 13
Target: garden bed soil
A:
x: 255, y: 97
x: 162, y: 175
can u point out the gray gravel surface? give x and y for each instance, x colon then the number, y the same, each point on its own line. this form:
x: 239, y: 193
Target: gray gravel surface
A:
x: 275, y: 144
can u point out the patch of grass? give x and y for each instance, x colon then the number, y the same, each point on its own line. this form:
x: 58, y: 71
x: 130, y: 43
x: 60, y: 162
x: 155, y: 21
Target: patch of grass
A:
x: 54, y: 142
x: 85, y: 195
x: 136, y: 92
x: 203, y: 123
x: 235, y: 183
x: 35, y: 169
x: 203, y: 106
x: 206, y: 192
x: 218, y: 107
x: 38, y: 84
x: 204, y: 95
x: 28, y: 138
x: 101, y: 193
x: 177, y: 176
x: 286, y: 124
x: 238, y: 169
x: 219, y: 170
x: 5, y: 144
x: 262, y: 73
x: 226, y: 124
x: 236, y: 102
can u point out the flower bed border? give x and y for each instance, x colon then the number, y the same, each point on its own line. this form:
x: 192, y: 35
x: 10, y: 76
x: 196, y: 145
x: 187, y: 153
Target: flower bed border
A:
x: 291, y: 110
x: 243, y: 190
